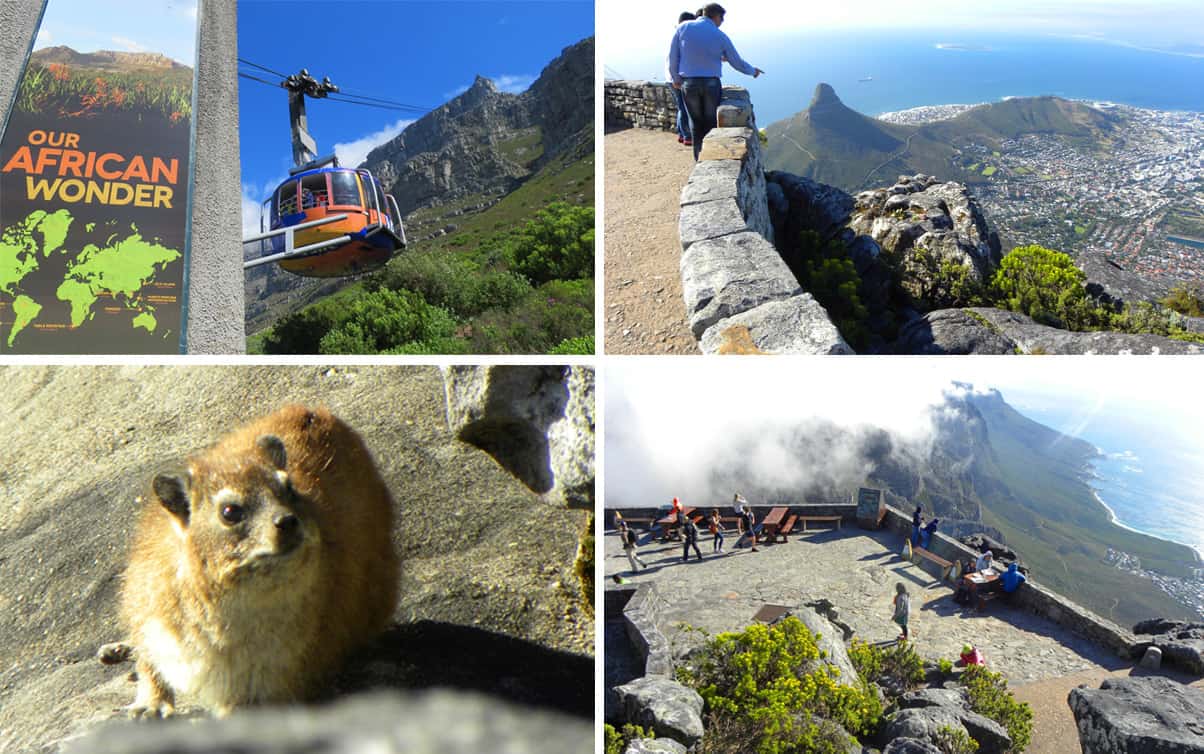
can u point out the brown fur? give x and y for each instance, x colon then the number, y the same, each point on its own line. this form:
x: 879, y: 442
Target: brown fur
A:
x: 737, y: 339
x: 231, y: 626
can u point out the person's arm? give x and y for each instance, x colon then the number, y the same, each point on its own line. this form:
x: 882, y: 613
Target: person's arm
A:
x: 737, y: 62
x: 675, y: 59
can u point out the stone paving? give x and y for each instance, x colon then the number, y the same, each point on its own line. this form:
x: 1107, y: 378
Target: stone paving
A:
x: 856, y: 571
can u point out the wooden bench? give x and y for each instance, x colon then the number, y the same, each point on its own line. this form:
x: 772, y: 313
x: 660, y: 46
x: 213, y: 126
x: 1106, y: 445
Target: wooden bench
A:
x: 920, y: 552
x: 787, y: 526
x: 829, y: 519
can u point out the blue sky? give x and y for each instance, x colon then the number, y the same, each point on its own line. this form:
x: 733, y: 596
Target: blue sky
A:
x: 632, y: 33
x: 167, y: 27
x: 418, y: 53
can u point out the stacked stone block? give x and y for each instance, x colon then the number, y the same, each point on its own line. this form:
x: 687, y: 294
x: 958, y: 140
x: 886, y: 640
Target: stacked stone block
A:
x: 640, y: 104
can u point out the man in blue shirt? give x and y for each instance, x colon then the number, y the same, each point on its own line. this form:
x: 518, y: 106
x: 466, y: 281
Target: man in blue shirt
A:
x: 1011, y: 580
x: 696, y: 63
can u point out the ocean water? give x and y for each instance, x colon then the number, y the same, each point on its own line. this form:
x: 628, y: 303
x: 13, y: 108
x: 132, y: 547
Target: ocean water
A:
x: 911, y: 68
x: 1152, y: 481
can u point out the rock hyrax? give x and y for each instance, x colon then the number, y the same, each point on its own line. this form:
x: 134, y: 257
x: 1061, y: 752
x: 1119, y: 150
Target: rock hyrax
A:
x: 254, y: 571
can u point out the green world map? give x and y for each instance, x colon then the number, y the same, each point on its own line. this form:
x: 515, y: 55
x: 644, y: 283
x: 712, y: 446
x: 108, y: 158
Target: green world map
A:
x: 121, y: 268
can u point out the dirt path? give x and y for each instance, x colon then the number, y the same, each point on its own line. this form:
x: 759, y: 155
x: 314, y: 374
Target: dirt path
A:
x: 1054, y: 731
x: 645, y: 313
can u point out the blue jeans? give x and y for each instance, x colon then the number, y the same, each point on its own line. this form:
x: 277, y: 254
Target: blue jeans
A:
x: 925, y: 539
x: 683, y: 118
x: 702, y: 95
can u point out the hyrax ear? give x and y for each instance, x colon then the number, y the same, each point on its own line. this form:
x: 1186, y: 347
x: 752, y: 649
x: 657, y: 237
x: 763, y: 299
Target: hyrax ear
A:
x: 172, y: 491
x: 273, y: 448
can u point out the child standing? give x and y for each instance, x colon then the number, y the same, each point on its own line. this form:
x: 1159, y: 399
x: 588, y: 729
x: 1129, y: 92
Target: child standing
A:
x: 716, y: 526
x: 902, y: 609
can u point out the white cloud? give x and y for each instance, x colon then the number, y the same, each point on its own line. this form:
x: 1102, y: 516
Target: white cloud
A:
x: 129, y: 45
x: 514, y: 84
x: 352, y: 153
x: 45, y: 39
x: 455, y: 92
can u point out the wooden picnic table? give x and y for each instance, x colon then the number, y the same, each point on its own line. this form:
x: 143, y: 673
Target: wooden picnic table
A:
x: 773, y: 520
x: 979, y: 582
x: 670, y: 526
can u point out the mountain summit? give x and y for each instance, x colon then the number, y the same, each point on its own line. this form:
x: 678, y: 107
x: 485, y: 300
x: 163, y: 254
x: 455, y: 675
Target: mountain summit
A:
x: 486, y: 142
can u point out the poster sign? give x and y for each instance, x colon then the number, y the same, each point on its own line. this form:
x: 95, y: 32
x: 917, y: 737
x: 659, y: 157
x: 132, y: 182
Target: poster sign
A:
x: 95, y: 174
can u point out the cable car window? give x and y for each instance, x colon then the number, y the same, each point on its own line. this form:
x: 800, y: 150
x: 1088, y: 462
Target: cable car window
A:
x: 343, y: 190
x: 369, y: 194
x: 288, y: 199
x: 313, y: 191
x: 274, y: 211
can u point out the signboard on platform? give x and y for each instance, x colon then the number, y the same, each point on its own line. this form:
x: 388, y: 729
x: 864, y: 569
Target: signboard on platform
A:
x: 95, y: 175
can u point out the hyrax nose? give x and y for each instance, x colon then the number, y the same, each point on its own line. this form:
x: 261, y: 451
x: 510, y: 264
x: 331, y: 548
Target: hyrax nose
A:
x: 287, y: 523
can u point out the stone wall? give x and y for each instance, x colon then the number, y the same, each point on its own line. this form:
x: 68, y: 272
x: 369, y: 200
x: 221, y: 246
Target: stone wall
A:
x: 1032, y: 596
x: 740, y: 295
x: 640, y: 617
x: 640, y: 104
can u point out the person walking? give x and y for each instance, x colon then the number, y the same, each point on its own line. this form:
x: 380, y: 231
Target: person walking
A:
x: 684, y: 133
x: 696, y: 58
x: 689, y: 535
x: 628, y: 538
x: 902, y: 606
x: 716, y: 527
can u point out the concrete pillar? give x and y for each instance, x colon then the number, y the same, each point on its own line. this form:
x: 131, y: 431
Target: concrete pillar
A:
x: 215, y: 275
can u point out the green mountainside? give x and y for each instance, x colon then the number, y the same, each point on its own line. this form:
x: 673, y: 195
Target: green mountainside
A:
x: 835, y: 144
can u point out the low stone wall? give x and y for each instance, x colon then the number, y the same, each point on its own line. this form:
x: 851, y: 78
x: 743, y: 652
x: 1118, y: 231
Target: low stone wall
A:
x: 640, y: 104
x: 640, y: 615
x: 740, y: 295
x: 1032, y: 596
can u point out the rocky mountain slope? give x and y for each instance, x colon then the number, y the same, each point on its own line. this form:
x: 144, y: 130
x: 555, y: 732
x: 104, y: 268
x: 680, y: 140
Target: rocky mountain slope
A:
x: 485, y: 142
x: 832, y: 143
x: 106, y: 60
x: 984, y: 467
x: 490, y: 597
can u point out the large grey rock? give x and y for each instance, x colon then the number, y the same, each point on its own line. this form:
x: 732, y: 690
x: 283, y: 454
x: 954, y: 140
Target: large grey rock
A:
x: 831, y: 644
x: 1181, y: 643
x: 796, y: 325
x: 924, y: 723
x: 443, y: 721
x: 951, y: 332
x: 538, y: 422
x: 726, y: 276
x: 941, y: 218
x: 484, y: 562
x: 934, y: 697
x: 981, y: 330
x: 667, y: 707
x: 654, y: 746
x: 1139, y: 715
x: 910, y: 746
x: 712, y: 180
x: 710, y: 220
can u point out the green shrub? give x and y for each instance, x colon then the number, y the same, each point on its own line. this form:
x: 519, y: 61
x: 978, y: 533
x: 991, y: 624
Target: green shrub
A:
x: 937, y: 282
x: 383, y: 319
x: 553, y: 313
x: 557, y: 245
x: 825, y: 271
x: 1045, y: 285
x: 300, y: 332
x: 454, y: 282
x: 989, y: 696
x: 899, y: 662
x: 945, y: 666
x: 954, y: 741
x: 617, y: 740
x: 1185, y: 300
x: 583, y: 346
x: 770, y: 682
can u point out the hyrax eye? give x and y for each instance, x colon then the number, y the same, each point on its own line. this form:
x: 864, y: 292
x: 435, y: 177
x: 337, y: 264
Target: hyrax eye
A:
x: 233, y: 514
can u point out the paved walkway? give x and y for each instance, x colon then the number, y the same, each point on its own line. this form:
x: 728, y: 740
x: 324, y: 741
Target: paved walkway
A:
x: 857, y: 571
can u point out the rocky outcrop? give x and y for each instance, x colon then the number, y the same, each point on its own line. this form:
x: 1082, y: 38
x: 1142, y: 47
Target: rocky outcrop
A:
x: 919, y: 214
x: 1180, y: 642
x: 924, y: 723
x: 488, y: 567
x: 538, y: 422
x: 386, y: 723
x: 481, y: 142
x: 910, y: 746
x: 1139, y: 715
x: 664, y: 706
x: 830, y: 641
x: 981, y: 330
x: 654, y: 746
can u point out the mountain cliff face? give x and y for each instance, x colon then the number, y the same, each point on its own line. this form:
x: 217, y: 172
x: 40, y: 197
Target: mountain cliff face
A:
x: 104, y: 60
x: 485, y: 142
